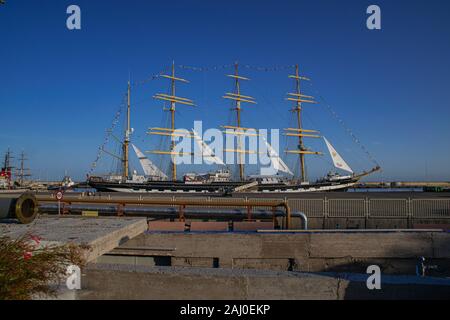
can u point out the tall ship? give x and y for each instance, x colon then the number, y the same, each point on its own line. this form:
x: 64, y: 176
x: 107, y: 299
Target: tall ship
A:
x: 222, y: 180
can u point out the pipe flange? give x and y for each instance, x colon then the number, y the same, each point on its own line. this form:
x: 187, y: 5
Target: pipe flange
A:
x: 26, y: 208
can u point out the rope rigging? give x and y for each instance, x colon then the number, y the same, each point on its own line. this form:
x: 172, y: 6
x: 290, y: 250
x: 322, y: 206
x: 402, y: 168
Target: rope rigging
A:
x: 247, y: 66
x: 108, y: 134
x: 344, y: 126
x: 116, y: 119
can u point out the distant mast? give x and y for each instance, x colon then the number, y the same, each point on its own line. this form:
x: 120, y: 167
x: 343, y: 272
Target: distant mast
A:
x: 299, y: 132
x: 238, y: 130
x: 23, y: 172
x: 172, y: 132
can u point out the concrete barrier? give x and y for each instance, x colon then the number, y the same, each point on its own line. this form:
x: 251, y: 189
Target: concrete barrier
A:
x: 138, y: 282
x: 208, y: 226
x: 252, y: 226
x: 396, y: 252
x: 166, y: 226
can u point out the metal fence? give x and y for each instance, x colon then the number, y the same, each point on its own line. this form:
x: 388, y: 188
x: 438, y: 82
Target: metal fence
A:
x: 430, y: 208
x: 373, y: 208
x: 400, y: 208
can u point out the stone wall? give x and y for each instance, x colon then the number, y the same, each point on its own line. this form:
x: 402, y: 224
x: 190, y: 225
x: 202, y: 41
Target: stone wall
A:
x: 396, y: 252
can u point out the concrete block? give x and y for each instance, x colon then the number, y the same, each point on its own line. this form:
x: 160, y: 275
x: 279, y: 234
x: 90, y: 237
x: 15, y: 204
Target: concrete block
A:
x: 166, y: 226
x: 209, y: 226
x: 252, y: 226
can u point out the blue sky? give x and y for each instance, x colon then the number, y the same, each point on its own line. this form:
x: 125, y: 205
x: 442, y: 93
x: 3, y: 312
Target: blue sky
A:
x: 59, y: 89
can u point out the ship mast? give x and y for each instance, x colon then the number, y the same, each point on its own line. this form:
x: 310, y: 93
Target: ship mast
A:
x: 238, y: 98
x: 126, y: 140
x: 172, y: 132
x: 23, y: 172
x: 299, y: 132
x: 172, y: 120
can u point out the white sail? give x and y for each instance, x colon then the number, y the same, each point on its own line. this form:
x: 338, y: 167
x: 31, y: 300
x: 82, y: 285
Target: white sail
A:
x: 206, y: 151
x: 338, y: 161
x: 149, y: 168
x: 277, y: 163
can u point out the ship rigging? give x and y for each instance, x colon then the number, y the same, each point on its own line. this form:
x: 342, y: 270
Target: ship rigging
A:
x: 155, y: 180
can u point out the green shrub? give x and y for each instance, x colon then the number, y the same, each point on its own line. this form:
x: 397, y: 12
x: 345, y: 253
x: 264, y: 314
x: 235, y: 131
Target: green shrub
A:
x: 28, y: 270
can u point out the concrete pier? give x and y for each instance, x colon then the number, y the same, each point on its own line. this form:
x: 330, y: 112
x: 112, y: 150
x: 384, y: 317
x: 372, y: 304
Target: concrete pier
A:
x: 101, y: 235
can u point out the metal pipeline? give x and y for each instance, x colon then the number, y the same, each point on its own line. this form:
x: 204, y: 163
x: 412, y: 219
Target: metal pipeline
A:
x: 235, y: 202
x: 164, y: 212
x: 181, y: 207
x: 23, y: 207
x: 172, y: 212
x: 304, y: 218
x: 250, y: 204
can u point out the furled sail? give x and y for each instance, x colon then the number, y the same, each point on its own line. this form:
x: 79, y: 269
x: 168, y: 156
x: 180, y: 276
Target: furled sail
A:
x: 149, y: 168
x: 338, y: 161
x: 206, y: 151
x: 277, y: 163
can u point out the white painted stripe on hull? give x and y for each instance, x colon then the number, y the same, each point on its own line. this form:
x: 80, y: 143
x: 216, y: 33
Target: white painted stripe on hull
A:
x: 311, y: 189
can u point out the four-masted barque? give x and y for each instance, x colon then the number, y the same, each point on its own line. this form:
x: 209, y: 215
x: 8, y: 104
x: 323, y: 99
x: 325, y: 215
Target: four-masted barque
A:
x: 221, y: 181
